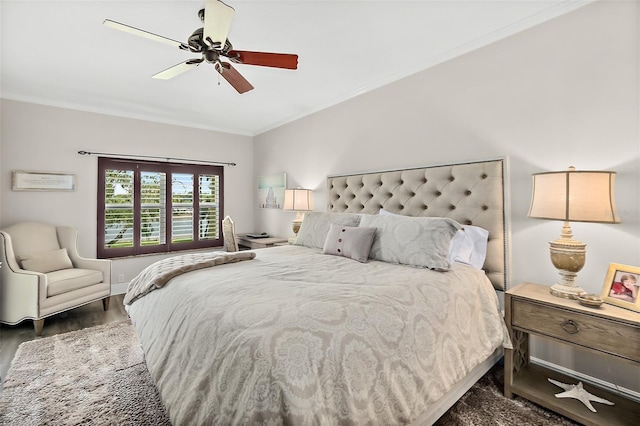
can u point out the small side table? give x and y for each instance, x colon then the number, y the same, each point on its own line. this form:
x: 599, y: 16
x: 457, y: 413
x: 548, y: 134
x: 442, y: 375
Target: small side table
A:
x: 259, y: 243
x: 610, y: 331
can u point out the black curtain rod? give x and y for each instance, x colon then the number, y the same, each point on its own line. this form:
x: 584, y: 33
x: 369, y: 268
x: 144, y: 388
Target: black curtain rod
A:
x: 104, y: 154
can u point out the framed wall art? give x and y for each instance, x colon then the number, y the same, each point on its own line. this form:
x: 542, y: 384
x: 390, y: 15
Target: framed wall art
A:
x: 271, y: 191
x: 622, y: 286
x: 25, y: 180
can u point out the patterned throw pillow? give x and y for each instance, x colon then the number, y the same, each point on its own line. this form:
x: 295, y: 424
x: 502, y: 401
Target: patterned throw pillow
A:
x: 468, y: 246
x: 416, y: 241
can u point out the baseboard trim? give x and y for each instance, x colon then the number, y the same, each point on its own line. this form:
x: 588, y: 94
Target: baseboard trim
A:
x: 627, y: 393
x: 120, y: 288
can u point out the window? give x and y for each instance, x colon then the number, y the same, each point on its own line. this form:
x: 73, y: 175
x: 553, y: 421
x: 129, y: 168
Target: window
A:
x: 156, y: 207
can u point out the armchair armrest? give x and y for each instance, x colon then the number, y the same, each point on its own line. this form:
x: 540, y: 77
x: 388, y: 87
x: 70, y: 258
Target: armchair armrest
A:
x: 20, y: 290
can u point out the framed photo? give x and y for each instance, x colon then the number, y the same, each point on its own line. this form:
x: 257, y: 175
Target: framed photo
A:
x: 24, y: 180
x: 622, y: 286
x: 271, y: 191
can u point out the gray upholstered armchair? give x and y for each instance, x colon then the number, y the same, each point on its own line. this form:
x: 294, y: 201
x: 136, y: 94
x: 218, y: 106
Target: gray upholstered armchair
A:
x: 42, y: 273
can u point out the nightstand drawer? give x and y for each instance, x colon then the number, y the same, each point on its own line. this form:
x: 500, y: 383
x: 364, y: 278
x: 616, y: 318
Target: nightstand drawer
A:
x: 602, y: 334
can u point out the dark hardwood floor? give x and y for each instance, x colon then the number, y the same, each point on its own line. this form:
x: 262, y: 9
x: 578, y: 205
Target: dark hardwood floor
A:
x: 85, y: 316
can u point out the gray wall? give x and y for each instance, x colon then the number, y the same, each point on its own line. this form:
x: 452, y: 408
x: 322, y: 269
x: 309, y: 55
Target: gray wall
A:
x: 563, y: 93
x: 43, y: 138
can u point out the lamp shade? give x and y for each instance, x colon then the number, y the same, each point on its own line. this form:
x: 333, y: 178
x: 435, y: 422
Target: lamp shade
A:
x: 299, y: 200
x: 576, y: 196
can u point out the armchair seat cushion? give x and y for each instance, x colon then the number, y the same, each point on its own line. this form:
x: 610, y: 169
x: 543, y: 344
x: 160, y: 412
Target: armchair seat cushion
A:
x: 66, y: 280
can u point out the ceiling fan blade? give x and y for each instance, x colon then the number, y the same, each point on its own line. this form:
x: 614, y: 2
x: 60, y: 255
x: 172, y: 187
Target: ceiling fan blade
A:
x: 217, y: 21
x: 146, y: 34
x: 276, y: 60
x: 177, y: 69
x: 234, y: 77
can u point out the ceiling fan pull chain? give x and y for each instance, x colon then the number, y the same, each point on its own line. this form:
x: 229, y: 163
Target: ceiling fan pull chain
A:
x: 218, y: 67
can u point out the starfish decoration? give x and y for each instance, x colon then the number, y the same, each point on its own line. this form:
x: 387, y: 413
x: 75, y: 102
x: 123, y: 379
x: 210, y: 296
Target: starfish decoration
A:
x: 578, y: 392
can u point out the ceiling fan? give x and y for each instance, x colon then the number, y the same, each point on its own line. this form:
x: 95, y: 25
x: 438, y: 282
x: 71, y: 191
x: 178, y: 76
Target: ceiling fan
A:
x: 212, y: 42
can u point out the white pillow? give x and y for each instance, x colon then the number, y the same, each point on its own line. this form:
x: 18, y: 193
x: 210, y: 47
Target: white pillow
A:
x: 383, y: 212
x: 416, y: 241
x: 315, y: 227
x: 468, y: 246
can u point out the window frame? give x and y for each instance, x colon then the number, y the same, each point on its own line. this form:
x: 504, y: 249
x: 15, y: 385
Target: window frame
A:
x: 138, y: 166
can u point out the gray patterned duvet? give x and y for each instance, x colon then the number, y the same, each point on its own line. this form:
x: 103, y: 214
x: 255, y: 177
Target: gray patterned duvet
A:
x: 297, y: 337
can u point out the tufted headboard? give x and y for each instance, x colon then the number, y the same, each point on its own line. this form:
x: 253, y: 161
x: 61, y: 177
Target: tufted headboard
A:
x: 472, y: 193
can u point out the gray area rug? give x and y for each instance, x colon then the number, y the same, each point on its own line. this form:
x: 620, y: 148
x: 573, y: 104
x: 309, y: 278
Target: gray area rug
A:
x: 97, y: 376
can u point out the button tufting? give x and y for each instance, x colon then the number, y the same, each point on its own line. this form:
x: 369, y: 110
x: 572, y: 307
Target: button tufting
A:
x: 485, y: 208
x: 438, y: 193
x: 452, y: 207
x: 467, y: 192
x: 484, y: 176
x: 467, y: 222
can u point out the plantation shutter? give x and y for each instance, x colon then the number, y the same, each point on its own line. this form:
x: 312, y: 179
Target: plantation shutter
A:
x: 155, y: 207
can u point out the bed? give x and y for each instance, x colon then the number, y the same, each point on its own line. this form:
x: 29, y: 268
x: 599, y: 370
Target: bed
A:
x: 313, y: 333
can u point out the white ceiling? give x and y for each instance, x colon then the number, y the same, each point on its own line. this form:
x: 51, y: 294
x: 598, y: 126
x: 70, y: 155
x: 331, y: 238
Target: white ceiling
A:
x: 59, y: 53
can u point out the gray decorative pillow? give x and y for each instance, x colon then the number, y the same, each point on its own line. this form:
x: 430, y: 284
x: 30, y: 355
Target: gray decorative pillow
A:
x: 47, y: 261
x: 315, y: 227
x: 416, y: 241
x: 349, y: 241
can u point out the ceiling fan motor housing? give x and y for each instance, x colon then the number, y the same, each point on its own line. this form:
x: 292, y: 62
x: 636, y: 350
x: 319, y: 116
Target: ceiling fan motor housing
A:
x: 198, y: 44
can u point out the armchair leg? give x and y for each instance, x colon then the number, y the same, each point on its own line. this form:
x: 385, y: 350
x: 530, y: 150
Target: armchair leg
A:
x: 105, y: 303
x: 38, y: 325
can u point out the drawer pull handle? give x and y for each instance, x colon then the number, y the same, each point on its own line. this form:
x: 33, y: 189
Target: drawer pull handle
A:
x: 570, y: 327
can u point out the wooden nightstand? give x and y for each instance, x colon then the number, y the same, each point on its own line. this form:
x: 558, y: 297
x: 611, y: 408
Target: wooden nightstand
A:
x: 258, y: 243
x: 611, y: 331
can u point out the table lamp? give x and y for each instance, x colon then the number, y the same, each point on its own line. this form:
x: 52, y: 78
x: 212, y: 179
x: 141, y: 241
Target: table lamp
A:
x: 577, y: 196
x: 298, y: 200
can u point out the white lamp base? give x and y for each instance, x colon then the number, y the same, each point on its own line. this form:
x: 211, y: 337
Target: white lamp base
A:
x: 565, y: 291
